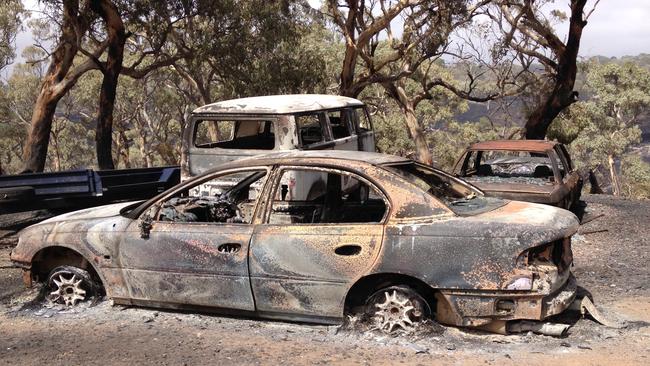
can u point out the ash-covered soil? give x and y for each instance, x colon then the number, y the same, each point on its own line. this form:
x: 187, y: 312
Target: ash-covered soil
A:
x: 610, y: 254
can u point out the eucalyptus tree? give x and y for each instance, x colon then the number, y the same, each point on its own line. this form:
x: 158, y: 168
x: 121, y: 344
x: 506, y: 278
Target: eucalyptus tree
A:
x: 529, y: 28
x: 12, y: 13
x: 91, y: 35
x: 399, y: 45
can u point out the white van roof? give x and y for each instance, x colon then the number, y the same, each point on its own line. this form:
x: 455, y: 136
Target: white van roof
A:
x: 279, y: 104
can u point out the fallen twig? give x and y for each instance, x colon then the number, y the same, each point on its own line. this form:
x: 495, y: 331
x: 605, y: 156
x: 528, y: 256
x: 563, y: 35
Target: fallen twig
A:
x: 590, y: 219
x: 593, y: 231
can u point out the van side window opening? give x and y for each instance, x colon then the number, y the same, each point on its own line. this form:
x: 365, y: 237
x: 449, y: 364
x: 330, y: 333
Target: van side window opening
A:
x: 233, y: 134
x: 310, y: 129
x: 363, y: 120
x: 339, y: 121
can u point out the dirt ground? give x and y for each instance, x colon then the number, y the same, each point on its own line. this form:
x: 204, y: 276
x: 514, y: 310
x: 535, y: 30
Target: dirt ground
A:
x: 611, y: 256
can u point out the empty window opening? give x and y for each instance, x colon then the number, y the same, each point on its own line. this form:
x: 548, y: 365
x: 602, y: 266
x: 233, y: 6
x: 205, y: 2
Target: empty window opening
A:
x: 339, y: 121
x: 317, y: 197
x: 310, y: 129
x: 514, y: 166
x: 243, y: 134
x: 230, y: 198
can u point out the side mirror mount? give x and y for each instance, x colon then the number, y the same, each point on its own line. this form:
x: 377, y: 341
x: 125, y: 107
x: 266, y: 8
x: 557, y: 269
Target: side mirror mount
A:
x: 146, y: 222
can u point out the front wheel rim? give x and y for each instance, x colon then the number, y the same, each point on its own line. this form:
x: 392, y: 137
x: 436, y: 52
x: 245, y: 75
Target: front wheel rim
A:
x: 67, y: 289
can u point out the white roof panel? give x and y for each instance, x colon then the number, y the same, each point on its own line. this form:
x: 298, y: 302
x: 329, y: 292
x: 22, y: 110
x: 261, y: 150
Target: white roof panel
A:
x: 279, y: 104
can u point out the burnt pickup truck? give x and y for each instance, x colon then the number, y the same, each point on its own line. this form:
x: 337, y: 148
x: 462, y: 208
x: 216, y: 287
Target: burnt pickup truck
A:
x: 537, y: 171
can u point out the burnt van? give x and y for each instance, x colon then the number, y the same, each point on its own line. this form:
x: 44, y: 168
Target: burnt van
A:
x: 233, y: 129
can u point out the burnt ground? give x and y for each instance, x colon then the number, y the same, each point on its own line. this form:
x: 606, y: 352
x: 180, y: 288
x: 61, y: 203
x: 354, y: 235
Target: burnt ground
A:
x: 611, y: 256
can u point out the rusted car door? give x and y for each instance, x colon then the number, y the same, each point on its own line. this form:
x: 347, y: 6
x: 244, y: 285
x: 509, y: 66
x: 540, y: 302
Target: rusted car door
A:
x: 199, y: 263
x: 311, y: 246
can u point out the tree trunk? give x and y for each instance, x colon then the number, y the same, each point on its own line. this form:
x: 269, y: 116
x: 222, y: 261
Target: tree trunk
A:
x: 616, y: 185
x: 562, y: 94
x: 346, y: 88
x: 145, y: 150
x: 38, y: 139
x: 56, y: 83
x: 57, y: 151
x: 416, y: 133
x: 407, y: 107
x: 113, y: 66
x: 123, y: 149
x: 347, y: 71
x: 541, y: 118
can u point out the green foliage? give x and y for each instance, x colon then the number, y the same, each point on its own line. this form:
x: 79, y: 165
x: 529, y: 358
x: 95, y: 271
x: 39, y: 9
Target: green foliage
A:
x: 448, y: 144
x: 568, y: 125
x: 11, y: 14
x: 636, y: 177
x: 604, y: 128
x: 391, y: 135
x: 609, y: 121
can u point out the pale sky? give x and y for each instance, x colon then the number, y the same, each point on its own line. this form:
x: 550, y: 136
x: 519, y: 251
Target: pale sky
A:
x: 616, y: 28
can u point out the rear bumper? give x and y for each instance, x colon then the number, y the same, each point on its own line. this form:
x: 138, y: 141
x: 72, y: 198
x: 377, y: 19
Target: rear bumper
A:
x: 473, y: 309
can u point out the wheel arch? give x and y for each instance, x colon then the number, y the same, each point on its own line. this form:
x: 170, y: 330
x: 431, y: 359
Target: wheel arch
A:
x: 50, y: 257
x: 364, y: 287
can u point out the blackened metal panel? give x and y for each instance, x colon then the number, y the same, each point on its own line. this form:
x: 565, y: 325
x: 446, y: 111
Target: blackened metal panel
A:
x: 189, y: 263
x: 295, y: 268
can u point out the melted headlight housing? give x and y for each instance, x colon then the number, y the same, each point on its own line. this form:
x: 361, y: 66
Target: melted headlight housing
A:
x: 557, y: 252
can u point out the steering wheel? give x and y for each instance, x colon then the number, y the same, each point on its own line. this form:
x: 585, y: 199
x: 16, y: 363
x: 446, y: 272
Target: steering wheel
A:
x: 223, y: 211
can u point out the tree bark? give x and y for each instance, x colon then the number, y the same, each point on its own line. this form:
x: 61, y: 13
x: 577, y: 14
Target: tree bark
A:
x: 616, y: 185
x: 407, y: 106
x: 123, y: 149
x: 421, y: 146
x: 60, y: 77
x: 38, y: 139
x: 111, y: 70
x: 56, y: 82
x: 561, y: 94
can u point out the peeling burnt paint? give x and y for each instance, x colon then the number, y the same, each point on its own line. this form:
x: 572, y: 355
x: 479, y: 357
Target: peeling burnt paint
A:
x: 294, y: 271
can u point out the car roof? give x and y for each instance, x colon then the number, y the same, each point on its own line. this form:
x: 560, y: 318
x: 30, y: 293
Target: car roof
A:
x: 372, y: 158
x: 279, y: 104
x: 519, y: 145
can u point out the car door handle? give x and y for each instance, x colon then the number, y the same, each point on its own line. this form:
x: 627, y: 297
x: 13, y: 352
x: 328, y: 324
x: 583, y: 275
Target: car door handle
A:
x: 348, y: 249
x: 229, y: 248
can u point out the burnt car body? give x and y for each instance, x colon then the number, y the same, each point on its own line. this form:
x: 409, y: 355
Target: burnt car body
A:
x: 270, y: 248
x: 526, y: 170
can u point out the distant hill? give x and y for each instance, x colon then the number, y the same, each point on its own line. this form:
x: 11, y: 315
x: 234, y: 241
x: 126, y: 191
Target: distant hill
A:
x: 477, y: 111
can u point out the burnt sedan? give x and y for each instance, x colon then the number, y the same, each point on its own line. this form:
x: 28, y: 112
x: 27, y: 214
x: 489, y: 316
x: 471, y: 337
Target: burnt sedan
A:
x: 537, y: 171
x: 315, y: 236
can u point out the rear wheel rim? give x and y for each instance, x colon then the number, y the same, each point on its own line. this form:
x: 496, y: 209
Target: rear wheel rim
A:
x: 394, y: 310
